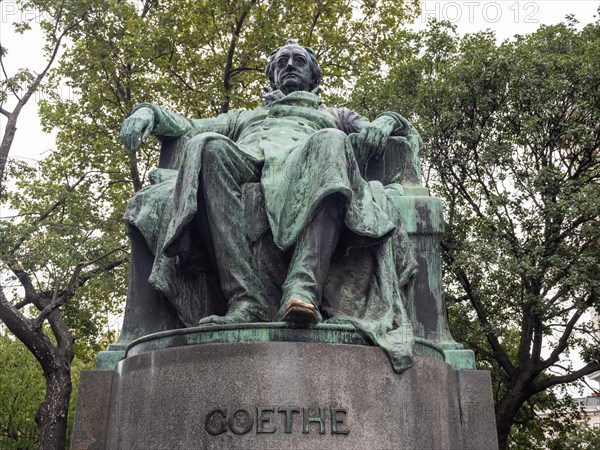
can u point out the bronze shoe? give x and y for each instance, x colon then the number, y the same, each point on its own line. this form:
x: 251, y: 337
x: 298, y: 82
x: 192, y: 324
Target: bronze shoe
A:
x: 299, y: 312
x: 240, y: 313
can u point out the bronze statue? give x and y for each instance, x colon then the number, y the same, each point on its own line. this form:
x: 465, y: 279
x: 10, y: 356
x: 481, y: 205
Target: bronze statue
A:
x: 268, y: 215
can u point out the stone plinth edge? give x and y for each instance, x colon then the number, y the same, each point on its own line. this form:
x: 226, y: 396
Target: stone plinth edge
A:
x: 251, y: 332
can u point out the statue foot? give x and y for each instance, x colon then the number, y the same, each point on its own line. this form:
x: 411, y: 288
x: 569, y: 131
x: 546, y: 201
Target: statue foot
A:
x: 299, y: 312
x: 233, y: 316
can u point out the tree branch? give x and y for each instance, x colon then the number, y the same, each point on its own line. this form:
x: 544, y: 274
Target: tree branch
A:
x: 30, y: 292
x: 75, y: 281
x: 12, y: 89
x: 525, y: 336
x: 146, y: 9
x: 11, y: 125
x: 563, y: 342
x: 546, y: 383
x: 313, y: 24
x: 38, y: 343
x: 235, y: 35
x: 58, y: 299
x: 105, y: 268
x: 22, y: 303
x: 49, y: 211
x: 245, y: 69
x: 501, y: 355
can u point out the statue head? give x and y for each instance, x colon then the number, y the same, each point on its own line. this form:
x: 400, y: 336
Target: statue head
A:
x: 293, y: 68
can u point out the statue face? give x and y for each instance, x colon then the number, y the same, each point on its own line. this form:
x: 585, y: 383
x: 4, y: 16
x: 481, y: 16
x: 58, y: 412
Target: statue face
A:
x: 292, y: 69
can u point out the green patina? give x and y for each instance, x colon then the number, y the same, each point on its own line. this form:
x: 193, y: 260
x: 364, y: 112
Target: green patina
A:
x: 267, y: 332
x: 108, y: 360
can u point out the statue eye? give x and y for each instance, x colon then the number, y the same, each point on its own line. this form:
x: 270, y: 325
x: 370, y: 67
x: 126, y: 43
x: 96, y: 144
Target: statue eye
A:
x: 300, y: 60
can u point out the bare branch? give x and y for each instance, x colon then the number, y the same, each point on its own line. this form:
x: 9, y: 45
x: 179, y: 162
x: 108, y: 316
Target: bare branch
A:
x: 537, y: 341
x: 60, y: 297
x: 503, y: 358
x: 230, y: 54
x: 38, y: 343
x: 49, y: 211
x: 22, y: 304
x: 99, y: 270
x: 546, y: 383
x: 180, y: 78
x: 313, y: 25
x: 12, y: 89
x: 563, y: 342
x: 24, y: 279
x: 146, y: 9
x: 245, y: 69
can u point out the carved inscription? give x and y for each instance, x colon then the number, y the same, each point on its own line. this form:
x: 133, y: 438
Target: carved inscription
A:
x: 270, y: 419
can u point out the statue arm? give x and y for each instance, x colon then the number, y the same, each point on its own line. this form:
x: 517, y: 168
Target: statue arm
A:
x: 166, y: 123
x: 401, y: 126
x: 370, y: 139
x: 148, y: 119
x: 352, y: 122
x: 170, y: 124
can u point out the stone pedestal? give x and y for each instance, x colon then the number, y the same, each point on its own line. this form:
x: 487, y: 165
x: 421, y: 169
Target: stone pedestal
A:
x: 196, y: 390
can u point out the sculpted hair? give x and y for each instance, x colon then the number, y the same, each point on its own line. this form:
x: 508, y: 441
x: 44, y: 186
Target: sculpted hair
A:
x: 315, y: 69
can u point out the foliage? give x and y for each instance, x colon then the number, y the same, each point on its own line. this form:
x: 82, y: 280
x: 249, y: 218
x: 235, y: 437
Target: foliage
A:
x: 46, y: 255
x: 512, y: 147
x: 543, y: 415
x: 22, y: 384
x: 582, y: 437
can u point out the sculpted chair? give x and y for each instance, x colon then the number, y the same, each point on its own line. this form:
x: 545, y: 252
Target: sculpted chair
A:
x: 147, y: 311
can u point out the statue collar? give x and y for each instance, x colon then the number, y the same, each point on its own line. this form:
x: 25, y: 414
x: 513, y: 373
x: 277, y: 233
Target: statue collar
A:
x: 297, y: 98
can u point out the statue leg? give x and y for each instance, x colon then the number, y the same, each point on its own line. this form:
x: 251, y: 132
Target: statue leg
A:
x: 225, y: 168
x: 309, y: 266
x: 272, y: 264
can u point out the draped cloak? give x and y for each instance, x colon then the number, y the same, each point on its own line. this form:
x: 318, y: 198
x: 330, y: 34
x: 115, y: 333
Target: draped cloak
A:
x: 307, y: 155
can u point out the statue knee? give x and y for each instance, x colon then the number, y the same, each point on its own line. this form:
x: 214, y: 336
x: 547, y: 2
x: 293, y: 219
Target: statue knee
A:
x: 213, y: 147
x: 330, y: 141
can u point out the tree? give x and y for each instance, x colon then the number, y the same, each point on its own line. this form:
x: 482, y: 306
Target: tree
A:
x: 65, y: 247
x: 512, y: 147
x: 52, y: 346
x: 48, y: 257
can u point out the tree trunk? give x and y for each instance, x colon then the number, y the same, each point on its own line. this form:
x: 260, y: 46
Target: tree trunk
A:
x: 52, y: 415
x: 503, y: 431
x: 7, y: 140
x: 506, y: 410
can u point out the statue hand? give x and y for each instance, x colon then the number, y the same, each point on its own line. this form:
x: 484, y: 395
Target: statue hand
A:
x: 406, y: 128
x: 139, y: 124
x: 373, y: 138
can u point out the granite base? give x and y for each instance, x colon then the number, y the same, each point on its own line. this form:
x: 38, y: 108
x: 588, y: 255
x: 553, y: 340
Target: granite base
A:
x: 271, y: 395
